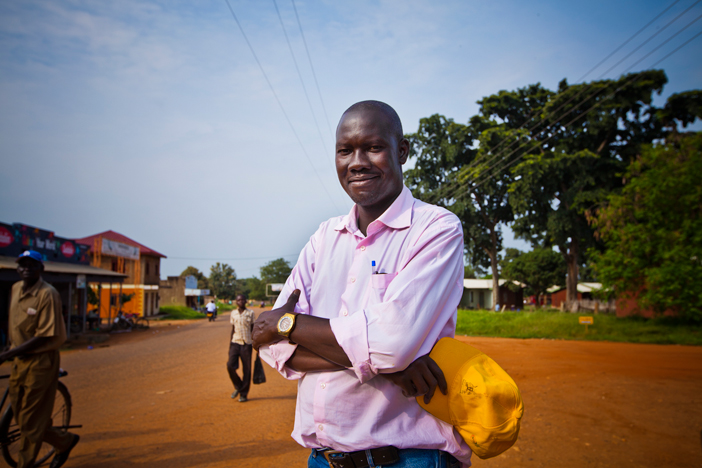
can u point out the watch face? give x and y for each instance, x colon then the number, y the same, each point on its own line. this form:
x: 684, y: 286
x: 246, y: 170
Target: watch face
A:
x: 285, y: 324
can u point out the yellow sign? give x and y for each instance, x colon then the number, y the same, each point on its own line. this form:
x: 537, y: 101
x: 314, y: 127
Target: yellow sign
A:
x: 586, y: 320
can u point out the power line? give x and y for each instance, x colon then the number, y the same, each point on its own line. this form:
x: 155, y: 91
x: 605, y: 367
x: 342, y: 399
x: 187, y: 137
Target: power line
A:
x: 304, y: 88
x: 511, y: 163
x: 309, y: 58
x: 649, y: 39
x: 664, y: 42
x: 626, y: 42
x: 486, y: 159
x: 253, y: 52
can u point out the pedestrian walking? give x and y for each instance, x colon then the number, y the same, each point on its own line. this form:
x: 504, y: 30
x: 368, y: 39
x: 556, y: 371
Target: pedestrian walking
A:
x: 242, y: 320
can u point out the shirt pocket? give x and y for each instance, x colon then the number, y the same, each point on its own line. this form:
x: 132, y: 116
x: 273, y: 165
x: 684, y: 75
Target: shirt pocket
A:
x: 379, y: 284
x: 28, y: 325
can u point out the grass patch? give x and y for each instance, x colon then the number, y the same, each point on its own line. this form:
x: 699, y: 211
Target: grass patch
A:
x: 176, y: 312
x: 554, y: 324
x: 223, y: 306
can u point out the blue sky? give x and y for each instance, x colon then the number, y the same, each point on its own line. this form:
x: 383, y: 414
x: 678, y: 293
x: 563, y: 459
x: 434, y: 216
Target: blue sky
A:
x: 153, y: 119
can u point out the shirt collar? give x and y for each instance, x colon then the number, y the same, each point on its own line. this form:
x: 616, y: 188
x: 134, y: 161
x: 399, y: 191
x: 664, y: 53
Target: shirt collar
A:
x: 34, y: 290
x: 397, y: 216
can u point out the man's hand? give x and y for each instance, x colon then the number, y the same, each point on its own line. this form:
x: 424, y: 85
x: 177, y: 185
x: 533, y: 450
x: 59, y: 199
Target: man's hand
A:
x: 265, y: 330
x: 420, y: 378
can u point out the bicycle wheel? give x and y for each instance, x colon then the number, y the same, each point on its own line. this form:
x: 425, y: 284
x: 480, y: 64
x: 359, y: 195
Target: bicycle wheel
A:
x: 10, y: 434
x: 141, y: 323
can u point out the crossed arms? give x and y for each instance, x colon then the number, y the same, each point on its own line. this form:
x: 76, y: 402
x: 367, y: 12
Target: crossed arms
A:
x: 318, y: 351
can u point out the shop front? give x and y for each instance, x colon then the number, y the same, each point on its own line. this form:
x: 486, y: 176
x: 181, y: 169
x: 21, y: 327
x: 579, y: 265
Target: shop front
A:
x: 66, y: 267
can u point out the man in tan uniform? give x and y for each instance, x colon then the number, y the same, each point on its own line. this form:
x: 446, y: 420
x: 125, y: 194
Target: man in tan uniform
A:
x: 36, y: 331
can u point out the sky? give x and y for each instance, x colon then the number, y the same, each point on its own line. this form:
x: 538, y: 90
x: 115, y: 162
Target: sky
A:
x: 155, y: 118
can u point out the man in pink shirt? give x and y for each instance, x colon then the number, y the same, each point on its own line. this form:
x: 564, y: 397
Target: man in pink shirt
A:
x: 370, y: 295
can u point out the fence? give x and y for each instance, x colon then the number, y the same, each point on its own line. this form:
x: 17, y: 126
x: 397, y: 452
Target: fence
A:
x: 593, y: 305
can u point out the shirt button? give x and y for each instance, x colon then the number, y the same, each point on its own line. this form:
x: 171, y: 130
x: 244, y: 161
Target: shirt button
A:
x: 363, y: 247
x: 345, y: 312
x: 353, y: 280
x: 323, y: 385
x: 320, y: 427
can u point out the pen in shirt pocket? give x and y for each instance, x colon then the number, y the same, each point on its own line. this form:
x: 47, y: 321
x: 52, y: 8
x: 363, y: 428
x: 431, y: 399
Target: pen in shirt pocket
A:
x: 373, y: 269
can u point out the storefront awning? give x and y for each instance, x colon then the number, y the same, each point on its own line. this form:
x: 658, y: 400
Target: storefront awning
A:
x: 56, y: 272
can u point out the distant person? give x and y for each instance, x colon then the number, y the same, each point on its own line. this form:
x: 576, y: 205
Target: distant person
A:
x: 93, y: 319
x: 36, y: 332
x: 242, y: 320
x: 263, y: 304
x: 212, y: 307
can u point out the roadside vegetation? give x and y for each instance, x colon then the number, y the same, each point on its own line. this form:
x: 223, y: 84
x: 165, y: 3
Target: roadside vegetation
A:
x: 224, y: 307
x: 177, y: 312
x: 553, y: 324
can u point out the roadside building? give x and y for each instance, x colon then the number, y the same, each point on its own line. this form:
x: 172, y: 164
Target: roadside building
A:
x: 182, y: 290
x: 586, y: 299
x: 627, y: 305
x: 66, y: 267
x: 477, y: 294
x: 557, y: 294
x: 139, y: 294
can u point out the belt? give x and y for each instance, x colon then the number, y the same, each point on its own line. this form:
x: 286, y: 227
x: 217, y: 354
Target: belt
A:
x: 362, y: 458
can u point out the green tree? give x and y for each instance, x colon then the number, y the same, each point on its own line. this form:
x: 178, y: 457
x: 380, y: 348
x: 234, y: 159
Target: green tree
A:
x: 202, y: 282
x: 223, y: 281
x: 93, y: 298
x: 275, y: 271
x: 652, y: 230
x: 254, y: 288
x: 447, y: 173
x: 581, y: 141
x: 127, y: 297
x: 538, y: 269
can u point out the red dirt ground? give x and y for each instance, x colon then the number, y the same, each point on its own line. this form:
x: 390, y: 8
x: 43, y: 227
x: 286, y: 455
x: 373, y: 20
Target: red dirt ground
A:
x: 160, y: 398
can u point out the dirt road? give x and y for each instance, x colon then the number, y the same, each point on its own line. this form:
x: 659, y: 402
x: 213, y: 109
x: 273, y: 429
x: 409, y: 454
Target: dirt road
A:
x: 161, y: 399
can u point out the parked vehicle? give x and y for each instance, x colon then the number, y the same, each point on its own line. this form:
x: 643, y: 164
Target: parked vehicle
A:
x: 128, y: 322
x: 10, y: 434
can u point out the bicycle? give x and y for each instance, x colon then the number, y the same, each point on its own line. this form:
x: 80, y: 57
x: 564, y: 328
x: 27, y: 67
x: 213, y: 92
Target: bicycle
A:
x: 129, y: 321
x: 137, y: 321
x: 10, y: 433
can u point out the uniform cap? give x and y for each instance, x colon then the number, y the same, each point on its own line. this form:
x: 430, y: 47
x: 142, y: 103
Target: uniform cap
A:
x: 33, y: 254
x: 483, y: 402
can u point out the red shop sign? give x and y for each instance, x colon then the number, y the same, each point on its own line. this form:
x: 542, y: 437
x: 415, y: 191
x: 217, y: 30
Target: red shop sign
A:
x: 68, y: 249
x: 6, y: 237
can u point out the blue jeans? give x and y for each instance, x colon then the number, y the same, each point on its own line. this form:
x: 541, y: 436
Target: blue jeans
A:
x: 409, y: 458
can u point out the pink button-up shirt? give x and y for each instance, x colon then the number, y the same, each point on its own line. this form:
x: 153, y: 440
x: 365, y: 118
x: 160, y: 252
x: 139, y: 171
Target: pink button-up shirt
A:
x: 384, y: 317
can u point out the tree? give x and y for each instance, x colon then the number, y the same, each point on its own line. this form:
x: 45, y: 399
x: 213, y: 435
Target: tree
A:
x: 93, y: 298
x: 223, y: 281
x: 202, y: 282
x: 652, y: 230
x: 275, y: 271
x: 449, y: 165
x: 538, y: 270
x: 254, y: 288
x: 582, y: 140
x: 127, y: 297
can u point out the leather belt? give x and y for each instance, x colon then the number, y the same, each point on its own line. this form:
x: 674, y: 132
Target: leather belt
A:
x: 379, y: 456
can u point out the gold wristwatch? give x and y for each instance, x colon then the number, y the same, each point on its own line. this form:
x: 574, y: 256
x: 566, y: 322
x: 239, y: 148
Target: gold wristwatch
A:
x: 286, y: 325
